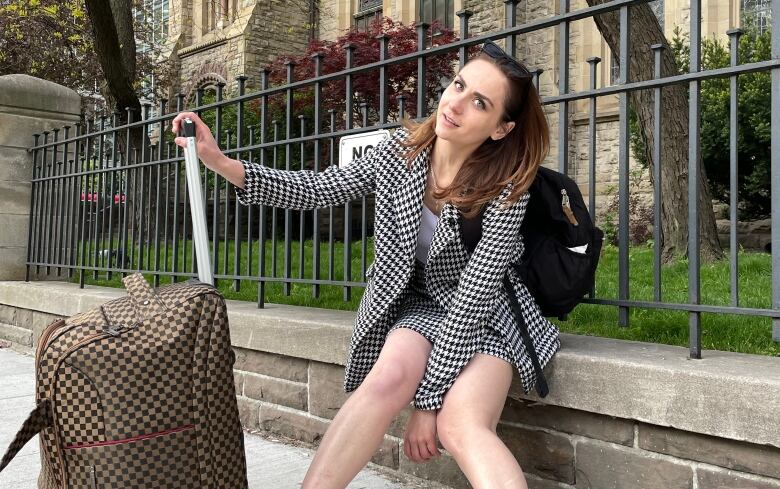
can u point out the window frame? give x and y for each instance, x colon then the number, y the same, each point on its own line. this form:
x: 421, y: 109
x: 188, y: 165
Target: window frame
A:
x: 759, y: 13
x: 448, y: 19
x: 367, y: 17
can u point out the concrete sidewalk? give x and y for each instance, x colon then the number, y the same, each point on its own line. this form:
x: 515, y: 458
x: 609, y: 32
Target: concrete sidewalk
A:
x: 271, y: 464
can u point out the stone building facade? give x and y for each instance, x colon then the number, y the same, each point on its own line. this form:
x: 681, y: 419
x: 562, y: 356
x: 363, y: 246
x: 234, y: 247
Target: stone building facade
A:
x: 213, y: 41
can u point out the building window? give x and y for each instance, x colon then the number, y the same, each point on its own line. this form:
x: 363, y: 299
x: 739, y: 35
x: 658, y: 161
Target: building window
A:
x: 438, y: 10
x: 218, y: 13
x: 756, y: 13
x: 657, y: 6
x: 369, y: 11
x: 153, y: 16
x: 614, y: 69
x: 159, y: 10
x: 364, y: 5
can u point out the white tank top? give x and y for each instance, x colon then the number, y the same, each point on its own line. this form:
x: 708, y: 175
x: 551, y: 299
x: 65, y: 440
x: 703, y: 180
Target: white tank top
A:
x: 425, y: 236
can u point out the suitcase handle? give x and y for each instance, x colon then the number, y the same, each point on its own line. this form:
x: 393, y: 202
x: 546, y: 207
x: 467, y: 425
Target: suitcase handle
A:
x: 143, y: 299
x: 39, y: 418
x: 197, y: 204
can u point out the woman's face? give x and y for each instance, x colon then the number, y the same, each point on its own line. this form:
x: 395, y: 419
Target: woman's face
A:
x: 471, y: 109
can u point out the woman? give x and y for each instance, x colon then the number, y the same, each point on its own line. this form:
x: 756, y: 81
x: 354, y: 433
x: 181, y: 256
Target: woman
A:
x: 434, y: 324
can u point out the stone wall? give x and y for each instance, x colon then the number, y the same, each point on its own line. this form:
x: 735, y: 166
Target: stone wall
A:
x: 28, y: 105
x: 488, y: 16
x: 619, y: 415
x: 276, y: 28
x: 752, y: 235
x: 21, y: 328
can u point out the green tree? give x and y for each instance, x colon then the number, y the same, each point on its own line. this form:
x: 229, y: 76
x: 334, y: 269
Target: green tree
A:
x: 86, y: 45
x: 753, y: 116
x: 645, y: 32
x: 754, y: 111
x: 48, y: 39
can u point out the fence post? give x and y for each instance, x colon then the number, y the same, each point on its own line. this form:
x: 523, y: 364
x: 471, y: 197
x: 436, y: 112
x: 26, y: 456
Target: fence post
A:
x: 28, y: 105
x: 775, y: 169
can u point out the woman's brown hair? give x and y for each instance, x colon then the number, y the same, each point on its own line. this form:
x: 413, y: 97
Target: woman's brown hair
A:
x: 515, y: 158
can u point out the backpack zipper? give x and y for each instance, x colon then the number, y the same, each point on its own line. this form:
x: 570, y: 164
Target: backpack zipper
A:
x: 45, y: 335
x: 566, y: 206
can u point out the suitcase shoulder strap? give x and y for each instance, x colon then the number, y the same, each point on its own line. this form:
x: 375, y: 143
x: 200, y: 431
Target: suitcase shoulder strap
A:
x: 143, y: 304
x: 39, y: 418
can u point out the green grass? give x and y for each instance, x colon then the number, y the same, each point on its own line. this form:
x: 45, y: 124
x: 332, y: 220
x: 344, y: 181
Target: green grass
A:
x: 726, y: 332
x: 330, y: 296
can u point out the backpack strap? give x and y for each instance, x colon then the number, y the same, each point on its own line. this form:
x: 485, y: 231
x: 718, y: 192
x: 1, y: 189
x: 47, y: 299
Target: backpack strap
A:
x: 39, y: 418
x: 471, y: 233
x: 541, y: 382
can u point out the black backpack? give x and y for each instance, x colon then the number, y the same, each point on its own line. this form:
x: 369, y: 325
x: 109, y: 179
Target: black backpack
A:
x: 557, y: 276
x: 556, y: 221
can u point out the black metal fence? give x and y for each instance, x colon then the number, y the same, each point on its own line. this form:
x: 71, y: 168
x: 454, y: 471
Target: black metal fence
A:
x: 103, y: 205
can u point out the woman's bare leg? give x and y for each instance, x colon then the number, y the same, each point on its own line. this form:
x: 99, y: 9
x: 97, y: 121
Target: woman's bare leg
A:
x: 467, y: 422
x: 358, y: 428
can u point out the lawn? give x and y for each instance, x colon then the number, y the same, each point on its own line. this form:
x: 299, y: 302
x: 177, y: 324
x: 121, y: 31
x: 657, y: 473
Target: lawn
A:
x: 727, y: 332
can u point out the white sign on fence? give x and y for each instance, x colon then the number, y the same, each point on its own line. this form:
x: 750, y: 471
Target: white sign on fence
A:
x: 358, y: 145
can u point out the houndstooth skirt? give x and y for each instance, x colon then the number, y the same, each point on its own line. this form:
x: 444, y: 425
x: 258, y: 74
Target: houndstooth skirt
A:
x: 421, y: 313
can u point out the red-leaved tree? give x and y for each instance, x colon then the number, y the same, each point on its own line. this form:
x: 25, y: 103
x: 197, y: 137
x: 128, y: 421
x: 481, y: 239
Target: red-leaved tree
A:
x: 401, y: 78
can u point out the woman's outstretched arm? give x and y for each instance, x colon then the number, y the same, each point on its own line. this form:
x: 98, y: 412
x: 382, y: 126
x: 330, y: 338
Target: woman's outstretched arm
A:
x: 208, y: 150
x: 292, y: 189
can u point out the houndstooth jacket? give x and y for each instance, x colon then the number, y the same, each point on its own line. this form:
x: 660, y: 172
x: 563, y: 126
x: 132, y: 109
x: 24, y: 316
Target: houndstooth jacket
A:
x: 470, y: 288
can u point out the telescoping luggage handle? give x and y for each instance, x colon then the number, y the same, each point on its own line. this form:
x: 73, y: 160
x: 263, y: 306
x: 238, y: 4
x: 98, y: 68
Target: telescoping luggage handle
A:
x: 144, y: 300
x: 197, y: 204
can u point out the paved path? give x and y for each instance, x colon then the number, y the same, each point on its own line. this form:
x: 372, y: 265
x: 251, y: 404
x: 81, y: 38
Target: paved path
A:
x: 271, y: 464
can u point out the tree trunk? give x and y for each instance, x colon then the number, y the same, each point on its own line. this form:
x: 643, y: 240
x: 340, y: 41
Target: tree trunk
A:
x: 644, y: 32
x: 114, y: 38
x: 112, y: 30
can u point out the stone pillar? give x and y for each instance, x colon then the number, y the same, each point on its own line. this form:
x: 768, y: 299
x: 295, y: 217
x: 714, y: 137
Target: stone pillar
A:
x: 28, y: 105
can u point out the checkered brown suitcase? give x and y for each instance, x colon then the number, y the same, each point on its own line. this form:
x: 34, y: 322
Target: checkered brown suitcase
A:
x: 139, y: 393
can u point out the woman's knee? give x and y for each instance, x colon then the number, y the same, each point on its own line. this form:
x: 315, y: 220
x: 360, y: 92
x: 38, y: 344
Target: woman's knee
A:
x: 456, y: 430
x: 391, y: 383
x: 399, y: 369
x: 450, y: 430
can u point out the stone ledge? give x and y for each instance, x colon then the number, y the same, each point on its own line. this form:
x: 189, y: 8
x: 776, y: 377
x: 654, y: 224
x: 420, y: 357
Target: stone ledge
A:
x: 302, y: 332
x: 660, y: 385
x: 655, y: 384
x: 15, y: 334
x: 28, y: 92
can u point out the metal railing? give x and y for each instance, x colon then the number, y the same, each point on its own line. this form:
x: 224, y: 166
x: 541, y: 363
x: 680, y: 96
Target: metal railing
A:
x: 102, y: 206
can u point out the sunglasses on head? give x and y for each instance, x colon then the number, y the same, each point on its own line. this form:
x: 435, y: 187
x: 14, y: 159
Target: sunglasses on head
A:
x: 491, y: 49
